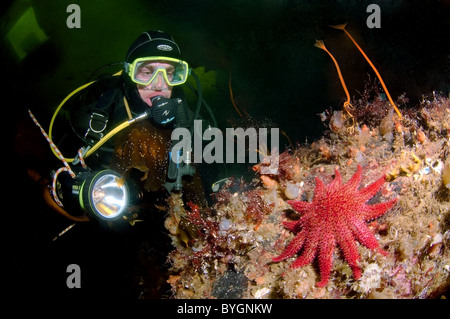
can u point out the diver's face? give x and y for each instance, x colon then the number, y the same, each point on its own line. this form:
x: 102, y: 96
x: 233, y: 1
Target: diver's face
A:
x: 159, y: 85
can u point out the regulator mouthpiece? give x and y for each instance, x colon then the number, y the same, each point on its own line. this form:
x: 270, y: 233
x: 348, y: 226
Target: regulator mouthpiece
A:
x: 163, y: 109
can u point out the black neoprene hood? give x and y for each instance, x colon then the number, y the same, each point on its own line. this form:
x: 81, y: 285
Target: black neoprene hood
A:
x: 153, y: 43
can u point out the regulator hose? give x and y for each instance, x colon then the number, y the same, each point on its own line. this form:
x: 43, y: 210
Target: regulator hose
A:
x: 199, y: 92
x: 199, y: 100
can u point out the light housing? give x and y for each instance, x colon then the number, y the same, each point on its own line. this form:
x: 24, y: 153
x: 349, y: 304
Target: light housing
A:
x: 104, y: 194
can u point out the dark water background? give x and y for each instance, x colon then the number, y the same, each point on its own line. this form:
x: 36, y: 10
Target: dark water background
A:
x: 278, y: 77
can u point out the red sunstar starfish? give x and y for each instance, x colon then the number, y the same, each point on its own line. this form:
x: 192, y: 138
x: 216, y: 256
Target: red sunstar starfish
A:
x: 336, y: 216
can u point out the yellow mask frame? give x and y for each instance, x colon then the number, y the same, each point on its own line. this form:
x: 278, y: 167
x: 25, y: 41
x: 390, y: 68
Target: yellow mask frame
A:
x: 140, y: 73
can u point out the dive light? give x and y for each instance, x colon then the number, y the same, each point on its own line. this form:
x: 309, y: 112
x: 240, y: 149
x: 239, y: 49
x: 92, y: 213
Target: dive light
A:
x: 103, y: 194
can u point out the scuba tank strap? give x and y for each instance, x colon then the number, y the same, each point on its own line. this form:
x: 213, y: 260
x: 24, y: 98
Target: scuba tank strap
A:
x: 100, y: 114
x: 97, y: 124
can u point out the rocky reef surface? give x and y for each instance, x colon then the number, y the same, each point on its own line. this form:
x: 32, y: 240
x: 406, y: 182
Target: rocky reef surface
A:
x: 227, y: 250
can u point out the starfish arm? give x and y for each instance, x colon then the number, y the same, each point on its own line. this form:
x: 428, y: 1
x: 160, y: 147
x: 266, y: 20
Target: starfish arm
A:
x: 374, y: 211
x: 326, y: 249
x: 319, y: 189
x: 346, y: 242
x: 365, y: 236
x: 293, y: 225
x: 353, y: 182
x: 294, y: 246
x: 310, y: 250
x: 369, y: 191
x: 299, y: 205
x: 337, y: 181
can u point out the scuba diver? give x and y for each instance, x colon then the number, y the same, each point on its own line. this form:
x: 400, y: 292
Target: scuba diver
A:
x: 119, y: 130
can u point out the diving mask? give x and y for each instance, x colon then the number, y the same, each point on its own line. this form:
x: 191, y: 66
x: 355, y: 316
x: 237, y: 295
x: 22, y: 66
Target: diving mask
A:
x: 145, y: 70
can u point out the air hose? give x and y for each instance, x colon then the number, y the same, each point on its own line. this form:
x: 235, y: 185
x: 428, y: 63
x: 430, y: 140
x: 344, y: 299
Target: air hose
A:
x: 115, y: 131
x: 55, y: 114
x: 200, y: 100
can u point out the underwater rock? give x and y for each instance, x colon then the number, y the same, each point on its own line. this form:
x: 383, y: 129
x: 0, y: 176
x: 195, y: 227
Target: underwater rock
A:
x: 230, y: 286
x: 231, y: 256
